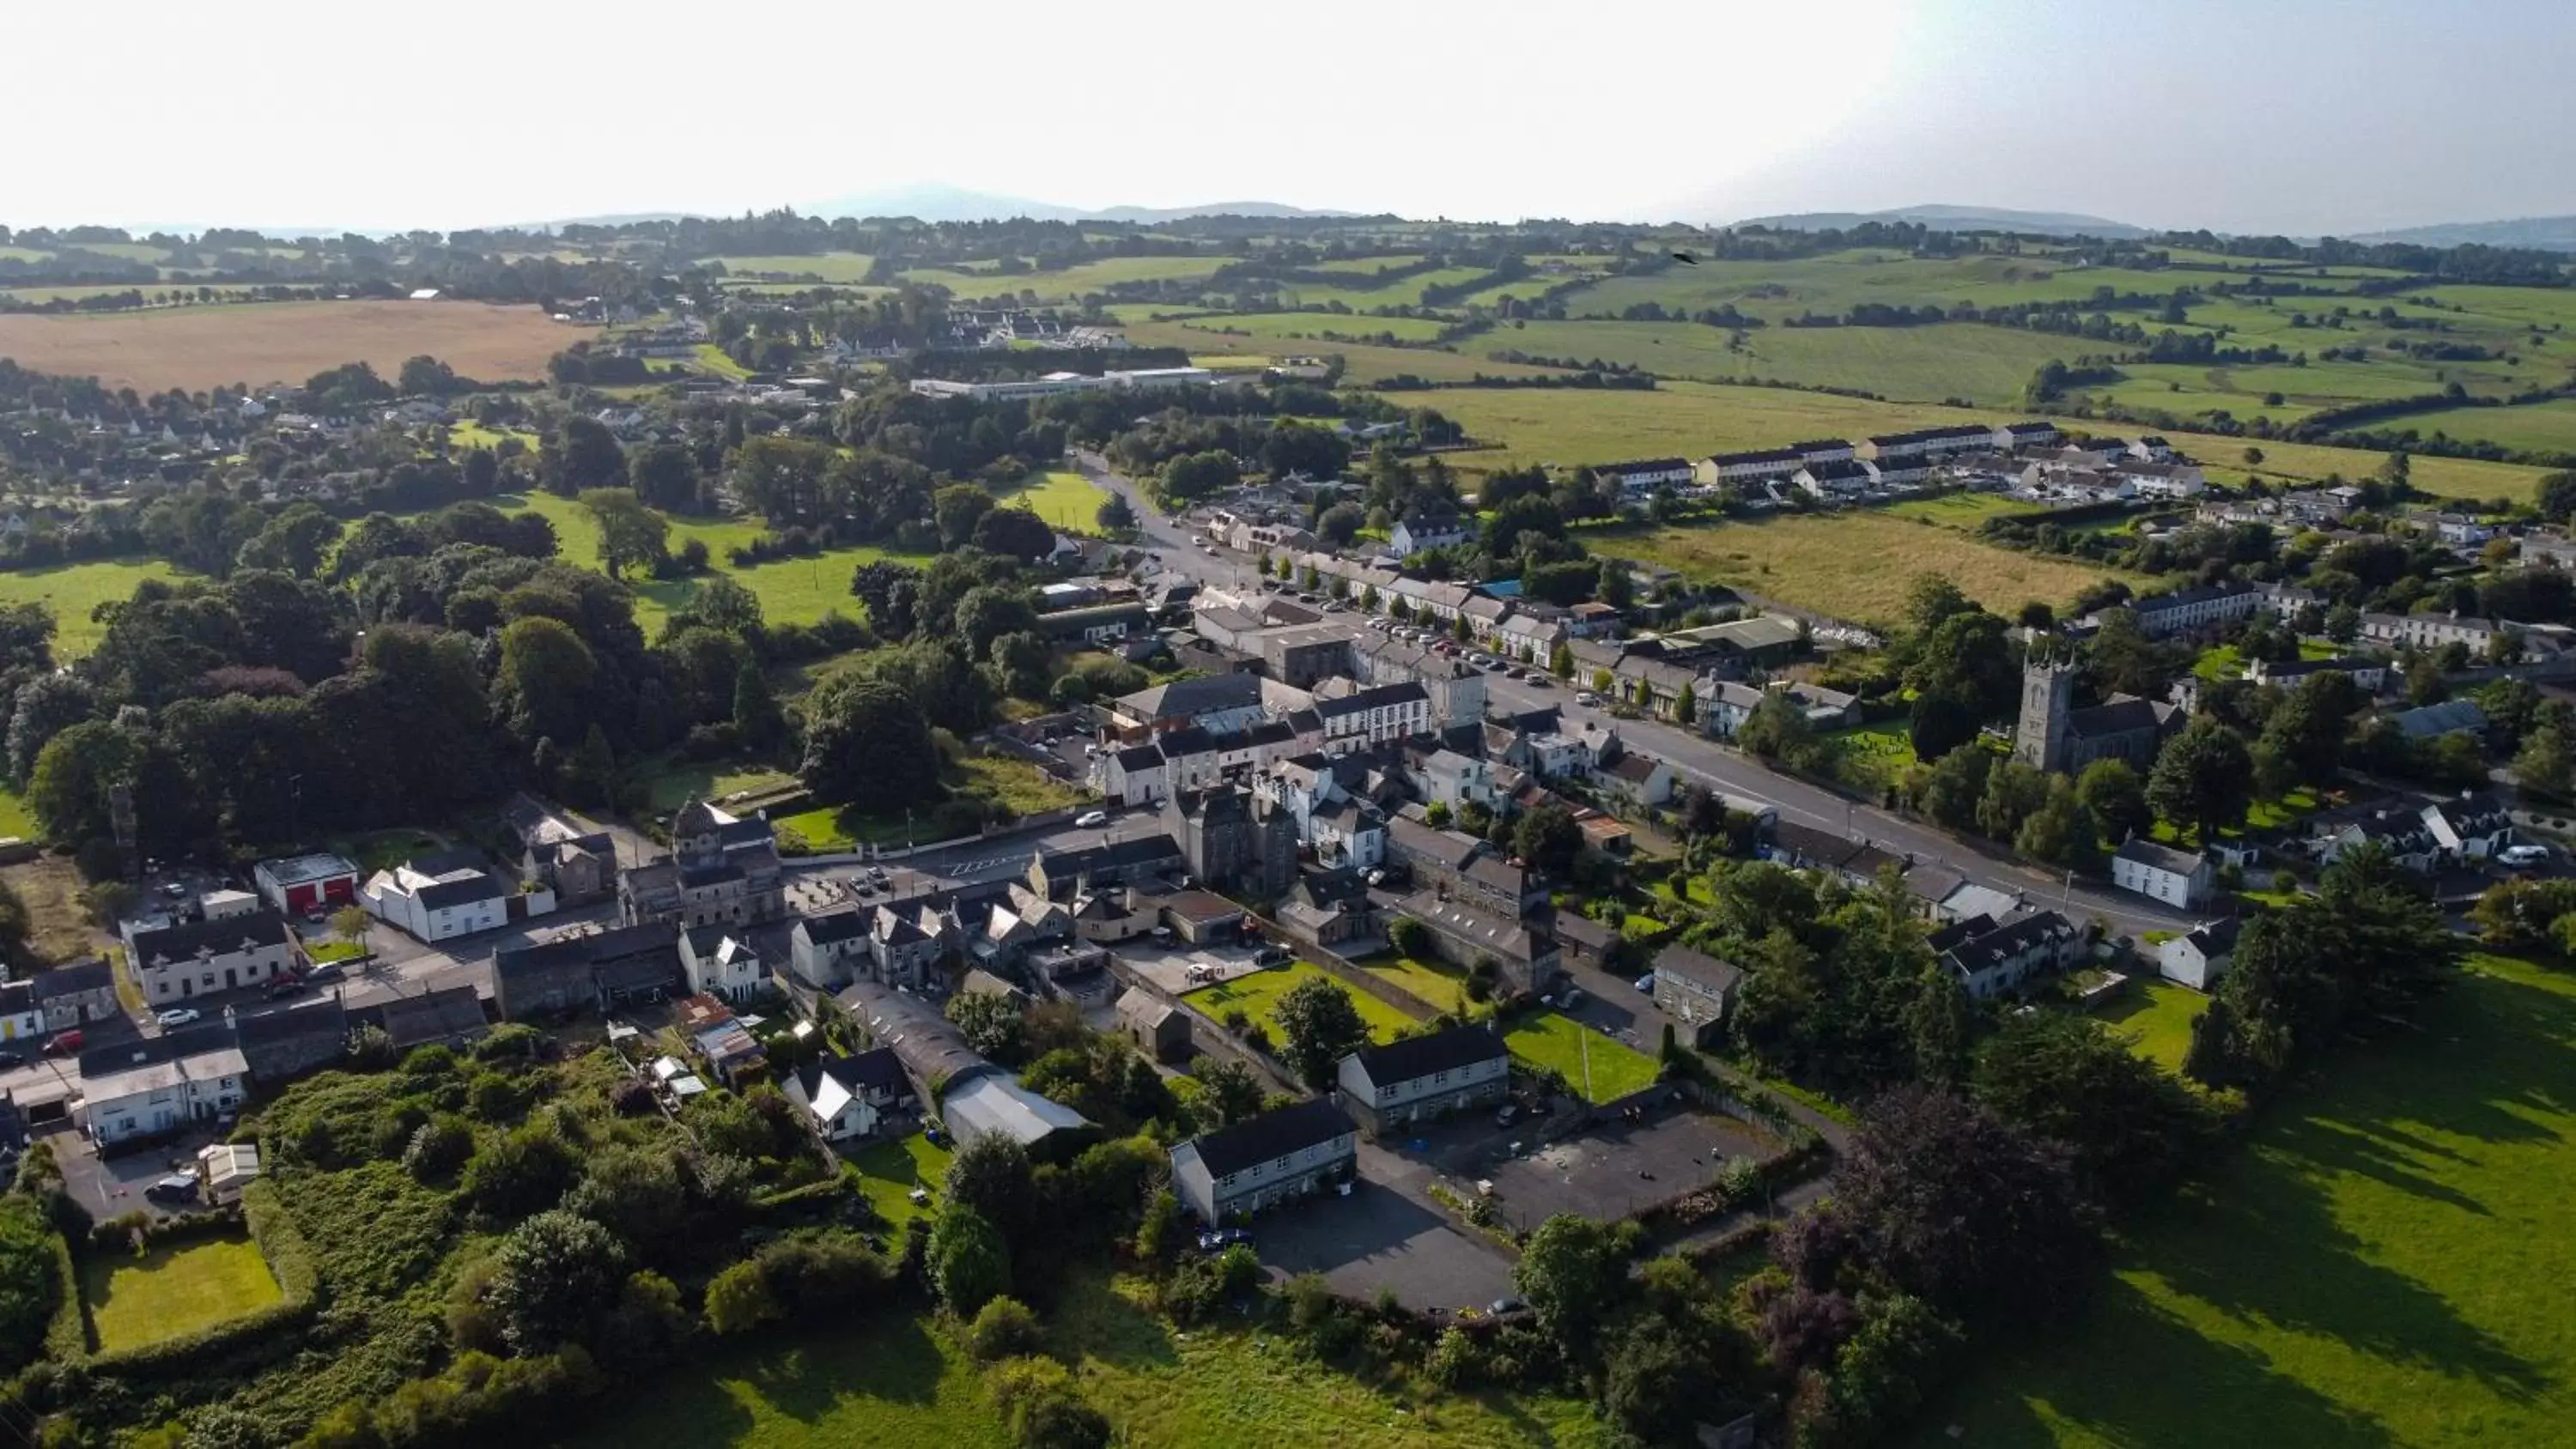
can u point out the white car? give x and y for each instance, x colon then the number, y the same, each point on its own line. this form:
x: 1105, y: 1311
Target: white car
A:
x: 1646, y: 983
x: 1090, y: 819
x: 1587, y: 697
x: 178, y: 1016
x: 2524, y: 855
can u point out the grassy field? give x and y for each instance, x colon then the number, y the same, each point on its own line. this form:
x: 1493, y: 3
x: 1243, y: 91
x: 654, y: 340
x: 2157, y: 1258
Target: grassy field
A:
x: 1074, y: 281
x: 1872, y: 756
x: 2548, y: 427
x: 1227, y: 1386
x: 889, y: 1171
x: 1956, y: 510
x: 683, y: 781
x: 1069, y: 502
x: 2382, y: 1263
x: 72, y: 590
x: 1854, y: 565
x: 2157, y: 1016
x: 173, y: 1290
x: 1440, y: 985
x: 1563, y: 1044
x: 1017, y: 786
x: 1688, y: 419
x: 203, y: 347
x: 1257, y: 996
x: 791, y: 591
x: 1988, y: 365
x: 1326, y: 327
x: 1361, y: 364
x: 882, y: 1381
x: 828, y: 266
x: 14, y: 819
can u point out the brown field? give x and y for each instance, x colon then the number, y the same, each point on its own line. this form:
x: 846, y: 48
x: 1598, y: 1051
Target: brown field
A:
x: 267, y: 342
x: 1853, y: 565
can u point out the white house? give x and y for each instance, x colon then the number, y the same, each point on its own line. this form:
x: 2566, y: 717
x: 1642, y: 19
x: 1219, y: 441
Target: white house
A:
x: 1423, y: 1077
x: 1426, y: 530
x: 1647, y: 476
x: 1847, y: 478
x: 1278, y: 1156
x: 195, y: 958
x: 825, y: 951
x: 1989, y: 959
x: 439, y: 897
x: 1452, y: 779
x: 2198, y: 959
x: 1383, y: 715
x: 2175, y: 877
x: 719, y: 963
x: 851, y: 1098
x: 152, y: 1098
x: 1641, y: 780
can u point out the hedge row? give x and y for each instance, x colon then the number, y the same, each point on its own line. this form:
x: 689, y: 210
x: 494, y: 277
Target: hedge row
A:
x: 67, y: 1332
x: 289, y: 1257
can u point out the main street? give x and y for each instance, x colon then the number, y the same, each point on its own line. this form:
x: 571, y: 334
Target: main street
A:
x: 1706, y: 762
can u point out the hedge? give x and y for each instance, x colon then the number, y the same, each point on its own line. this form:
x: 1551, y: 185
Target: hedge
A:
x: 67, y: 1332
x: 289, y: 1257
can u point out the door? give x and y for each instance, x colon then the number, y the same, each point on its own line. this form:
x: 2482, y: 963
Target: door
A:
x: 229, y: 982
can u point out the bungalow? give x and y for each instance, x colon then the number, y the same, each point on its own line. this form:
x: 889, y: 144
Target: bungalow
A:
x: 70, y: 994
x: 849, y: 1098
x: 2175, y: 877
x: 2199, y: 958
x: 1278, y: 1156
x: 1695, y: 990
x: 1421, y: 1078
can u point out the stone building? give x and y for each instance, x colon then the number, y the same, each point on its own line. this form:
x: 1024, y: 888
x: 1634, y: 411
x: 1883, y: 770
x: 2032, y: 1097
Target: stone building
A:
x: 2056, y: 736
x: 722, y: 871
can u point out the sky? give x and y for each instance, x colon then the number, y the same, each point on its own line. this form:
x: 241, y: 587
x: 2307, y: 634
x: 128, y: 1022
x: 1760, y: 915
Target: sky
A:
x: 2298, y: 116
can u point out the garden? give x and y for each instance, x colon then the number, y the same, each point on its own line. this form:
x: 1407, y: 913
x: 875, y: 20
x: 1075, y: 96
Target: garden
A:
x: 1599, y: 1068
x: 173, y: 1289
x: 1257, y: 996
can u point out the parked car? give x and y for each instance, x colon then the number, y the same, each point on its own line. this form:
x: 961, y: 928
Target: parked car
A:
x: 178, y: 1016
x: 1217, y: 1240
x: 12, y: 1059
x: 1646, y: 983
x: 1091, y: 819
x: 64, y: 1043
x: 178, y: 1187
x: 1508, y: 1305
x: 327, y: 971
x: 1586, y: 697
x: 2523, y: 856
x: 283, y: 987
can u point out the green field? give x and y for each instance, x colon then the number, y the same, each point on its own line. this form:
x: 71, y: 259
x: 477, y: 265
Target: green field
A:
x: 1069, y: 502
x: 173, y: 1290
x: 2157, y: 1016
x: 2383, y: 1262
x: 1989, y: 365
x: 1870, y: 757
x: 791, y: 591
x: 889, y: 1171
x: 829, y: 266
x: 14, y: 819
x: 1566, y: 1046
x: 1325, y: 327
x: 683, y: 782
x: 1257, y: 996
x: 1441, y: 986
x: 2548, y: 427
x: 1855, y: 565
x: 72, y: 590
x: 1015, y: 786
x: 1362, y: 364
x: 880, y: 1381
x: 1074, y: 281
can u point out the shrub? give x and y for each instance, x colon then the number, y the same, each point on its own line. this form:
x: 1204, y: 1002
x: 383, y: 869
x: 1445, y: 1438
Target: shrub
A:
x: 1004, y: 1329
x: 739, y: 1300
x: 439, y: 1149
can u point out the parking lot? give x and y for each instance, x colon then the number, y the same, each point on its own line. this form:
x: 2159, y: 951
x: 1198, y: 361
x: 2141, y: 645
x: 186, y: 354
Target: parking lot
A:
x: 1612, y: 1170
x: 1172, y: 967
x: 112, y: 1186
x: 1383, y: 1237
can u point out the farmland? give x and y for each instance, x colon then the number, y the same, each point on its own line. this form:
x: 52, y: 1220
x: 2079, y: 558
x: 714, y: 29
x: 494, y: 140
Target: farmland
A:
x: 824, y: 266
x: 1989, y: 365
x: 2379, y: 1263
x: 72, y: 590
x: 1852, y: 565
x: 1329, y: 326
x: 1362, y: 364
x: 1069, y: 283
x: 2548, y: 427
x: 203, y: 347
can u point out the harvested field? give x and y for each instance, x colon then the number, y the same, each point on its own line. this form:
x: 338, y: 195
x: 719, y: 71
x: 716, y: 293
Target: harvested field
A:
x: 204, y: 347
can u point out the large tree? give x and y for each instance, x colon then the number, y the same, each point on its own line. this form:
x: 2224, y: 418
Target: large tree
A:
x: 867, y: 746
x: 1321, y: 1026
x: 553, y: 1277
x: 665, y: 475
x: 629, y: 532
x: 2071, y: 1079
x: 2204, y: 778
x: 957, y: 508
x: 587, y: 455
x: 1574, y: 1272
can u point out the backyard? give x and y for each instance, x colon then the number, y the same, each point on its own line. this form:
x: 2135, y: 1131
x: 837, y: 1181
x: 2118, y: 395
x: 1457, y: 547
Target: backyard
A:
x: 2378, y: 1264
x: 1600, y: 1068
x: 1257, y: 996
x: 173, y: 1289
x: 998, y: 783
x: 889, y: 1171
x: 1441, y: 986
x: 2157, y: 1017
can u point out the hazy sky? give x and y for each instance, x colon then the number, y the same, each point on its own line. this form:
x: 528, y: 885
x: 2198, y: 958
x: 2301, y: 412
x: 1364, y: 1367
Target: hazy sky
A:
x: 2269, y: 115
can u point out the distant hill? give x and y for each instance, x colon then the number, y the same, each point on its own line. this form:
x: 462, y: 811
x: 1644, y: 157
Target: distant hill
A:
x: 1956, y: 218
x: 949, y: 203
x: 2549, y: 233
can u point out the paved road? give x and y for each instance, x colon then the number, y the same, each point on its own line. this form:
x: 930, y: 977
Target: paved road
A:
x: 1709, y: 763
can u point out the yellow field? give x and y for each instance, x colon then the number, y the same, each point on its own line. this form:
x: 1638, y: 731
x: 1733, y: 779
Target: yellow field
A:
x: 1853, y: 565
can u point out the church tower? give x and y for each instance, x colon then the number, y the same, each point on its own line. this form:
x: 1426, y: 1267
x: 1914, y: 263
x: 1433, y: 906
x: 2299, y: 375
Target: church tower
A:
x: 2047, y: 699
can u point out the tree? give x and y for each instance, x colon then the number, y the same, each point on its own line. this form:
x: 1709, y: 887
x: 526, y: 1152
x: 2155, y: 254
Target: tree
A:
x: 1955, y: 786
x: 1573, y: 1271
x: 1229, y: 1089
x: 1655, y: 1384
x: 1560, y: 660
x: 2070, y: 1079
x: 2061, y: 831
x: 1115, y: 515
x: 629, y: 532
x: 1548, y: 838
x: 2545, y: 765
x: 545, y: 679
x: 990, y: 1176
x: 1321, y: 1026
x: 1341, y: 523
x: 867, y: 745
x: 2117, y: 799
x: 757, y: 719
x: 46, y: 706
x: 29, y: 1284
x: 1686, y: 707
x: 957, y: 508
x: 1941, y: 721
x: 353, y: 923
x: 739, y: 1299
x: 665, y: 475
x: 587, y: 455
x: 1014, y: 533
x: 74, y: 776
x: 2203, y: 778
x: 1776, y: 729
x: 552, y: 1277
x: 968, y: 1263
x: 1004, y: 1328
x: 992, y: 1025
x: 519, y: 1173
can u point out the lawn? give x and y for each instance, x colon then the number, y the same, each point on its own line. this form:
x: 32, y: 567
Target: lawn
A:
x: 683, y: 781
x: 889, y: 1171
x: 1257, y: 996
x: 321, y: 951
x: 1227, y: 1386
x: 1441, y: 986
x: 72, y: 590
x: 1016, y: 786
x: 173, y: 1290
x: 791, y: 591
x: 1856, y: 565
x: 1566, y: 1046
x: 1069, y: 502
x: 2157, y: 1016
x: 872, y: 1379
x: 1872, y: 756
x: 2382, y: 1263
x: 14, y: 818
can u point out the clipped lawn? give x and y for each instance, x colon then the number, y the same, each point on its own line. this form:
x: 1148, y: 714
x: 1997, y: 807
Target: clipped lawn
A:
x: 889, y: 1171
x: 886, y: 1383
x: 1226, y: 1384
x: 72, y: 590
x: 1564, y: 1045
x: 2383, y: 1262
x: 2157, y: 1017
x: 1257, y: 996
x: 683, y: 781
x: 1441, y: 986
x: 174, y: 1290
x: 1069, y: 502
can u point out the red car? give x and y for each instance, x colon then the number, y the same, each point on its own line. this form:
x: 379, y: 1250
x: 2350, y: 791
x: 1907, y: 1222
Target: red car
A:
x: 64, y: 1044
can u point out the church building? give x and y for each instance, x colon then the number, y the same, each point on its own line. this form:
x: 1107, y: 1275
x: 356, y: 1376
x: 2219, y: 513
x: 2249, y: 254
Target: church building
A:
x: 2055, y: 736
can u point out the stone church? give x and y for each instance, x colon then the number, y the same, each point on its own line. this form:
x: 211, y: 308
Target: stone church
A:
x: 2056, y: 736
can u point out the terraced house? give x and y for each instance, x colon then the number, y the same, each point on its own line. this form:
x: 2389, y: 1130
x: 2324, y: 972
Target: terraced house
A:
x: 1260, y: 1162
x: 1420, y: 1078
x: 173, y: 963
